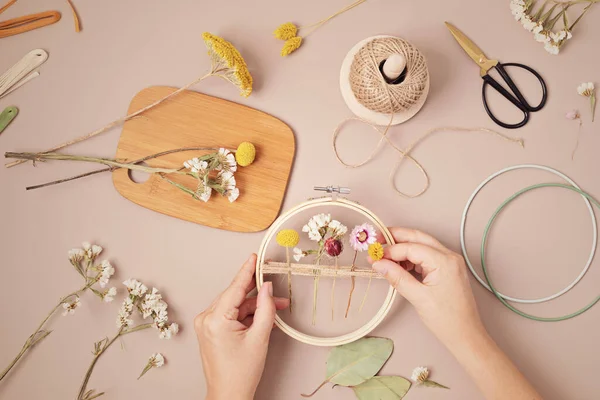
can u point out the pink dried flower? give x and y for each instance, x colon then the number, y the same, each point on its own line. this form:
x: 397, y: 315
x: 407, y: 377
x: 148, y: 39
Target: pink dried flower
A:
x: 333, y: 247
x: 362, y: 236
x: 572, y: 115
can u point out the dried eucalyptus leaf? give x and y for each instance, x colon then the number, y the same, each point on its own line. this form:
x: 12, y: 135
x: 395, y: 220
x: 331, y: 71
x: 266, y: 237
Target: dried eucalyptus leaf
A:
x: 382, y: 388
x: 354, y: 363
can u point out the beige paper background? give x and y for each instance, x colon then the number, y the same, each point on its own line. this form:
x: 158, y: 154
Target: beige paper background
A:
x: 536, y: 248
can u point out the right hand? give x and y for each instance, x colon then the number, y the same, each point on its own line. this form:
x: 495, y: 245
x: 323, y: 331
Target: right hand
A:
x: 443, y: 298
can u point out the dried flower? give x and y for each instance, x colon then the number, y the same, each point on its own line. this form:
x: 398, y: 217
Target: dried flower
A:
x: 156, y: 360
x: 286, y: 31
x: 337, y: 229
x: 245, y: 154
x: 225, y: 56
x: 76, y: 255
x: 91, y: 251
x: 291, y: 45
x: 298, y: 254
x: 135, y: 288
x: 587, y: 90
x: 420, y: 375
x: 376, y: 251
x: 204, y: 192
x: 317, y: 226
x: 225, y: 161
x: 69, y: 307
x: 333, y: 247
x: 109, y: 294
x: 106, y: 273
x: 572, y: 115
x: 288, y: 238
x: 233, y: 194
x: 362, y: 236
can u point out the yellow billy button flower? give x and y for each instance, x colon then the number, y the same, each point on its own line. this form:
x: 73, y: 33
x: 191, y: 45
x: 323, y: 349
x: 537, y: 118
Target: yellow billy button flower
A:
x: 376, y: 251
x: 291, y: 45
x: 288, y: 238
x: 228, y: 62
x: 245, y: 154
x: 286, y: 31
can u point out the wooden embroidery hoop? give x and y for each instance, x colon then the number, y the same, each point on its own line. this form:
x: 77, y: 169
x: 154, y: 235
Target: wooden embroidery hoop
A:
x: 348, y: 337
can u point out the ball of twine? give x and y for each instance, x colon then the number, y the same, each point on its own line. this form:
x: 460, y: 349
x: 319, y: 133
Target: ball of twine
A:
x: 369, y: 86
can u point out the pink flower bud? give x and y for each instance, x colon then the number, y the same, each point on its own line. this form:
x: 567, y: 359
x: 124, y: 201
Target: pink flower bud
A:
x: 333, y: 247
x: 572, y: 115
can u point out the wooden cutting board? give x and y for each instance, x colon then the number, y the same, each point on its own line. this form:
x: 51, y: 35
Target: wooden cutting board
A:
x: 194, y: 119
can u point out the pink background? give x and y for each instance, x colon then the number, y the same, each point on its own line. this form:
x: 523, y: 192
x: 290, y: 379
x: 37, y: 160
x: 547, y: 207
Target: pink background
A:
x: 536, y: 247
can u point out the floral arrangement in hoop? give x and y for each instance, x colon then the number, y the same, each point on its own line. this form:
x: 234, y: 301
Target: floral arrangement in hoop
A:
x: 212, y: 171
x: 329, y: 235
x: 541, y: 22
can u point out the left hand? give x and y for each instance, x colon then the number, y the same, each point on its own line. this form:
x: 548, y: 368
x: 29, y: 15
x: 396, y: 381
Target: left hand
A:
x: 233, y: 334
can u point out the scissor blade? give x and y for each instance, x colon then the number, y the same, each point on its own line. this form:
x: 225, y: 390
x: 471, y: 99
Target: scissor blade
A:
x: 468, y: 46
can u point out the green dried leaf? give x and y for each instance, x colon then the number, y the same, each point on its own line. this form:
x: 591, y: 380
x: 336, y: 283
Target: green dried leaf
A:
x: 356, y: 362
x: 382, y: 388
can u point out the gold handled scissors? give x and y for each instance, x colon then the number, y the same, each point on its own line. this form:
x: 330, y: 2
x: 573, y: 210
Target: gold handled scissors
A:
x: 485, y: 65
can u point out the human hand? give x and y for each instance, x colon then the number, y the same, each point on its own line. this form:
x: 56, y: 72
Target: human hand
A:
x: 233, y: 334
x: 443, y: 298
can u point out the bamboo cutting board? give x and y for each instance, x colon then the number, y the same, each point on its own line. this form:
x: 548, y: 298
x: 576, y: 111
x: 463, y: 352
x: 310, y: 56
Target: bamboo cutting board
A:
x: 194, y: 119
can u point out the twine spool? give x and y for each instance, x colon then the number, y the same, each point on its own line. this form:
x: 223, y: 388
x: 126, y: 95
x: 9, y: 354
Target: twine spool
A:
x: 372, y: 95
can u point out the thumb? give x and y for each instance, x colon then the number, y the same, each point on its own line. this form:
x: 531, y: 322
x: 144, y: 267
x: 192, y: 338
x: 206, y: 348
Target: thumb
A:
x: 406, y: 284
x: 264, y: 316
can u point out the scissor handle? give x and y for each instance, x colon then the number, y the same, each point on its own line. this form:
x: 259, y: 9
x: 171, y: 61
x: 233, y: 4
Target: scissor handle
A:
x: 516, y: 97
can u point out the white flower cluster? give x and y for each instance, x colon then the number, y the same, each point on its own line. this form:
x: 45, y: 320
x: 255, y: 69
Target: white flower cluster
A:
x: 156, y: 360
x: 70, y: 306
x: 317, y: 226
x: 106, y: 271
x: 83, y: 259
x: 224, y: 162
x: 552, y: 40
x: 420, y: 374
x: 149, y: 305
x: 586, y: 89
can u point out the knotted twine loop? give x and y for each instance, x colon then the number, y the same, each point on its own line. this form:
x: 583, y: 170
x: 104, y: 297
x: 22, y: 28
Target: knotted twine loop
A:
x: 405, y: 154
x: 370, y: 88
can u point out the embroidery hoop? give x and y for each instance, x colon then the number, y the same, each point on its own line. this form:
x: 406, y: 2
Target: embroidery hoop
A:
x: 387, y: 303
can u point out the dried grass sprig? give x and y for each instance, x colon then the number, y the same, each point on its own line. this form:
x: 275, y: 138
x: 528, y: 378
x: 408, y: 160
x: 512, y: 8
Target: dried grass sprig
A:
x: 226, y: 63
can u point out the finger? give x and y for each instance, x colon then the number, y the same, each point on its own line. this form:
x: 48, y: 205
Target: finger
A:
x: 399, y: 278
x: 427, y: 257
x: 248, y: 307
x: 404, y: 235
x: 264, y: 316
x: 242, y: 284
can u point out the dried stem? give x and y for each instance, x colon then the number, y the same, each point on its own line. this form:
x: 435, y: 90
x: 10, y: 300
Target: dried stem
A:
x: 362, y: 303
x: 82, y: 390
x: 289, y: 276
x: 315, y: 391
x: 118, y: 121
x: 333, y: 289
x: 316, y: 286
x: 352, y: 284
x: 110, y: 169
x: 39, y: 334
x: 577, y: 142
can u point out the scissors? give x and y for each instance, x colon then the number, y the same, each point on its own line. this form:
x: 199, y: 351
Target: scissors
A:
x: 485, y: 64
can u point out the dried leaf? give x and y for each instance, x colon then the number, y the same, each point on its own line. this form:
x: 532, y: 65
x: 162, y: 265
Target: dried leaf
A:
x: 382, y: 388
x: 356, y: 362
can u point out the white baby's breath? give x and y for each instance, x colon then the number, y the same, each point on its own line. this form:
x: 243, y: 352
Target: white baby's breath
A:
x: 157, y: 360
x: 109, y: 294
x: 233, y: 194
x: 298, y: 254
x: 135, y: 288
x: 420, y: 374
x: 586, y: 89
x: 107, y: 271
x: 76, y: 255
x: 69, y: 307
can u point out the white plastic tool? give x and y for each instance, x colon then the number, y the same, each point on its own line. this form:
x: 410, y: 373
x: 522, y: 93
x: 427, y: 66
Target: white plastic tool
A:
x: 22, y: 72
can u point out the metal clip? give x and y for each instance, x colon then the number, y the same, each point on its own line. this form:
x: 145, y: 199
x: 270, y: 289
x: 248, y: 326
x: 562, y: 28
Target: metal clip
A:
x: 333, y: 189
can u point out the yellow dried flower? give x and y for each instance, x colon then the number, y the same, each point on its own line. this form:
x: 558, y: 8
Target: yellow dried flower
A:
x: 245, y: 154
x: 288, y: 238
x: 228, y: 62
x: 376, y: 251
x: 291, y: 45
x: 286, y: 31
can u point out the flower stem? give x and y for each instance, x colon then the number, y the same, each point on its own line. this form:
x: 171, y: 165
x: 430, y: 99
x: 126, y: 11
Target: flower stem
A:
x: 362, y: 303
x: 429, y: 383
x: 353, y: 279
x: 289, y: 277
x: 333, y: 289
x: 593, y: 104
x: 316, y: 286
x: 116, y: 122
x: 39, y: 334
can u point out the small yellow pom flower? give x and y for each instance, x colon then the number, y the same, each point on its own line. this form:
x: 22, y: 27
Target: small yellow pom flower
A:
x: 225, y: 56
x: 285, y: 31
x: 288, y: 238
x: 376, y: 251
x: 245, y: 154
x: 291, y: 45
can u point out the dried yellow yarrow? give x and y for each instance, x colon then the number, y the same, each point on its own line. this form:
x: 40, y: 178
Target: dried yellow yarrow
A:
x: 291, y: 45
x: 288, y: 238
x: 286, y: 31
x: 376, y: 251
x: 245, y: 154
x: 225, y: 54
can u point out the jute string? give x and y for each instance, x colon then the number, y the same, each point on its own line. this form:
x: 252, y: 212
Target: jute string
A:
x: 369, y: 86
x: 405, y: 153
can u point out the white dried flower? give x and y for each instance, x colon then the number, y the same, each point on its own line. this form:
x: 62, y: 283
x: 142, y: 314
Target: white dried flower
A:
x: 315, y: 224
x: 586, y: 89
x: 96, y: 250
x: 298, y: 254
x: 420, y: 374
x: 226, y: 161
x: 125, y: 312
x: 205, y: 194
x: 233, y: 194
x: 167, y: 332
x: 109, y: 295
x: 529, y: 24
x: 157, y: 360
x: 106, y: 273
x: 76, y: 255
x: 541, y: 37
x: 551, y: 48
x: 135, y: 288
x: 338, y: 228
x: 69, y: 307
